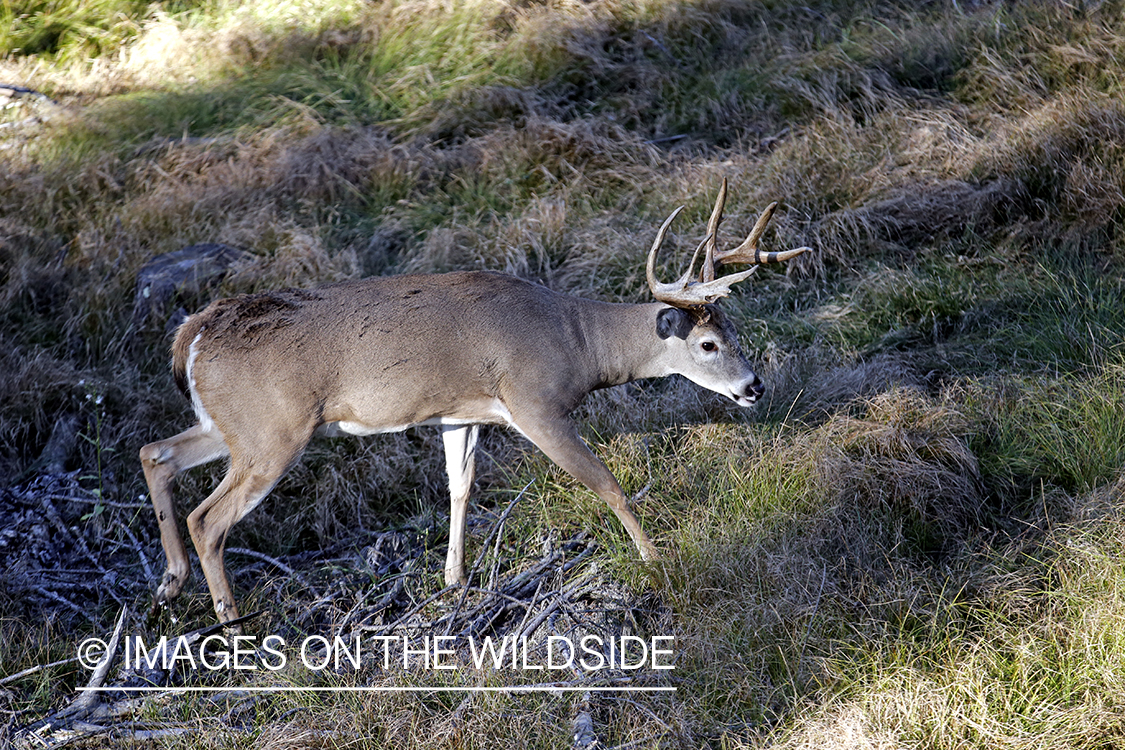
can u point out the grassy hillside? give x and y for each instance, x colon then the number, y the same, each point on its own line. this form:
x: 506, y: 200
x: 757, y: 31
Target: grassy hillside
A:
x: 914, y: 540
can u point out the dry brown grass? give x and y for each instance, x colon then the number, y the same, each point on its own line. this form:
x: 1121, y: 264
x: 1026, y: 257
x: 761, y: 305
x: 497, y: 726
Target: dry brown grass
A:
x: 892, y: 550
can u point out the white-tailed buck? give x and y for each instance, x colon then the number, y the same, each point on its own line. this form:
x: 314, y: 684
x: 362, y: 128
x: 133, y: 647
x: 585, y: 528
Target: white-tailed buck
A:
x: 265, y: 372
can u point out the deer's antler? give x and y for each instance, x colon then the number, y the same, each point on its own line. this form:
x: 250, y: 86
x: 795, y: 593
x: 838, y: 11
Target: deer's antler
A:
x: 684, y: 292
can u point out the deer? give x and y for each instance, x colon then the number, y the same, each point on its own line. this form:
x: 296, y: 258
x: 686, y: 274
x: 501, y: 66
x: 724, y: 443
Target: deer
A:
x: 267, y: 371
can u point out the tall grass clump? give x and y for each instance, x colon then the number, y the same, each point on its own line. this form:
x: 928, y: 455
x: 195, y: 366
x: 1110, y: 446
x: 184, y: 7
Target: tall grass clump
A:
x: 1032, y: 655
x: 1067, y: 432
x: 800, y: 530
x: 1065, y: 154
x: 65, y: 30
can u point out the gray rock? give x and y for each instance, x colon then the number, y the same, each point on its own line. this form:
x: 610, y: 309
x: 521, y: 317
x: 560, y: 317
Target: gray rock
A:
x: 180, y: 274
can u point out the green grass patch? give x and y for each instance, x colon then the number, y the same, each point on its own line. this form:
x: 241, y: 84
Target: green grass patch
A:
x: 1065, y: 432
x: 64, y: 30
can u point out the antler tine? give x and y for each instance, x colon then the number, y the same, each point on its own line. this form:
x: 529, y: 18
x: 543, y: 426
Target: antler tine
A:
x: 659, y: 288
x: 684, y: 292
x: 748, y: 251
x: 707, y: 273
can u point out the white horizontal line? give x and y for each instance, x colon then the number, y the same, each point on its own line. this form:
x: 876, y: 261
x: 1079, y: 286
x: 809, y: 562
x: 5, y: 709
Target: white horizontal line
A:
x: 390, y: 689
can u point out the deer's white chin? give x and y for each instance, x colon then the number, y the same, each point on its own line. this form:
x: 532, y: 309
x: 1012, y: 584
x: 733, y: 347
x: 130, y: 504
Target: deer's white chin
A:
x: 744, y: 401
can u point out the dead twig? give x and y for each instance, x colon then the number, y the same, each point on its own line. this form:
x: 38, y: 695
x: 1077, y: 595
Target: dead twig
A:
x: 140, y: 552
x: 541, y: 617
x: 37, y: 668
x: 65, y: 602
x: 265, y: 558
x: 384, y: 602
x: 415, y: 610
x: 96, y: 501
x: 530, y: 607
x: 495, y: 532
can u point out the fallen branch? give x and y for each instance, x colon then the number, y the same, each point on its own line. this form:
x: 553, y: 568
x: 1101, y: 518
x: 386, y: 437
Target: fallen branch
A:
x: 140, y: 552
x: 64, y: 601
x: 84, y: 706
x: 266, y: 558
x: 37, y: 668
x: 12, y: 91
x: 495, y: 532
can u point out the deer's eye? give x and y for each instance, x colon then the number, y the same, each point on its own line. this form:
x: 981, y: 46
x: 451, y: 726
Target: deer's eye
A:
x: 709, y: 346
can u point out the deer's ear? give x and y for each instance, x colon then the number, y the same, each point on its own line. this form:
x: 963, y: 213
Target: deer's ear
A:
x: 672, y: 321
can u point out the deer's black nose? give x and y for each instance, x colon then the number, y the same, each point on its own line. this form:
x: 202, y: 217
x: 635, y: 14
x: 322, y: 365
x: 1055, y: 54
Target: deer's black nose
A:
x: 752, y: 390
x: 755, y: 389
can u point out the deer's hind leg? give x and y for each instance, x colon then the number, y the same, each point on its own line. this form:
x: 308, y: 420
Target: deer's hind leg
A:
x: 254, y: 471
x: 161, y: 462
x: 460, y: 445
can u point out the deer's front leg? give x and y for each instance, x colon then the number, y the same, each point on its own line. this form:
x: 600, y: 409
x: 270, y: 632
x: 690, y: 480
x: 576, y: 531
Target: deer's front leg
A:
x: 559, y: 439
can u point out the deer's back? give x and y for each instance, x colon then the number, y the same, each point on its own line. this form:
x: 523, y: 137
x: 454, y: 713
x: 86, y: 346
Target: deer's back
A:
x: 387, y: 349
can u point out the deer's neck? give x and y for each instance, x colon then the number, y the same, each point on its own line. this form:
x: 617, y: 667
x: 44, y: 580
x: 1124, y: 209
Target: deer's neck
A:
x: 623, y: 343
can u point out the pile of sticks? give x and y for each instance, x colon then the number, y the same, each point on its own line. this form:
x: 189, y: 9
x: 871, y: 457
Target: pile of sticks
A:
x: 384, y: 592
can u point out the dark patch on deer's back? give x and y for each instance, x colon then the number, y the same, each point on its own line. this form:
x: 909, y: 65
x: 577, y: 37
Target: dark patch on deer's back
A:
x: 243, y: 320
